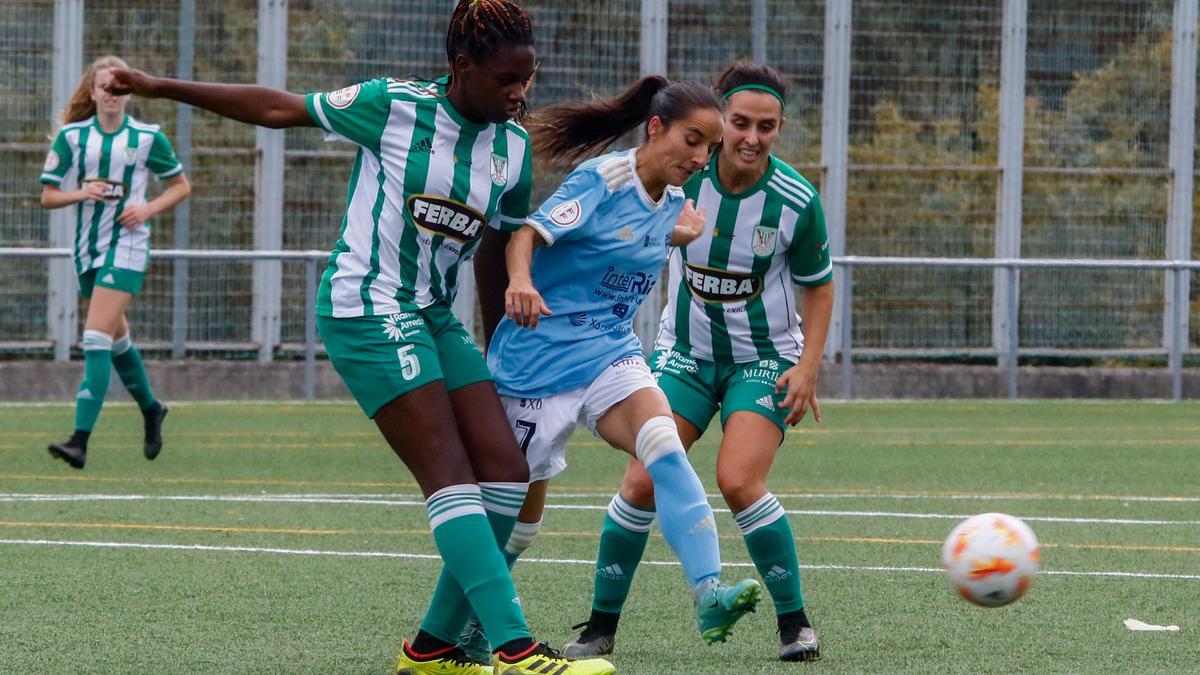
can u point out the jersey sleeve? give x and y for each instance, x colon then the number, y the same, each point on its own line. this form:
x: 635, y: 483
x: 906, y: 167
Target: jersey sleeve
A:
x: 568, y: 210
x: 58, y: 161
x: 357, y: 113
x: 808, y: 256
x: 162, y: 161
x: 514, y: 204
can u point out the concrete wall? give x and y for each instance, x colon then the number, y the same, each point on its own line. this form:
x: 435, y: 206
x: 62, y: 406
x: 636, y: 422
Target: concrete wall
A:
x: 191, y: 380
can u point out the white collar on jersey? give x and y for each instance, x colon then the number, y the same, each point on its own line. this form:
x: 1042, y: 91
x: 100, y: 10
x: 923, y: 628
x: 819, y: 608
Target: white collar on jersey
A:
x: 641, y: 189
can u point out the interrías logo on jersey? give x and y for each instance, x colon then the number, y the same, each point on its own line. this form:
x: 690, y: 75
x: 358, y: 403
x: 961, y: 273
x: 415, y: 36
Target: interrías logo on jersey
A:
x: 712, y: 285
x: 446, y: 217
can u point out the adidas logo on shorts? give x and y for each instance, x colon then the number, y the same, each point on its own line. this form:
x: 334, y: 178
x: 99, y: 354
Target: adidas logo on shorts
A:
x: 108, y: 279
x: 613, y: 572
x: 767, y: 402
x: 776, y: 574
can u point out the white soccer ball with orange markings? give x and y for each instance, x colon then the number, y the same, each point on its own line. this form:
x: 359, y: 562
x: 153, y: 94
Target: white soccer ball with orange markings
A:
x: 991, y: 558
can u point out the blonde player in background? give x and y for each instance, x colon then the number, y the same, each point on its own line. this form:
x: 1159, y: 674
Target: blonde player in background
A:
x: 99, y: 166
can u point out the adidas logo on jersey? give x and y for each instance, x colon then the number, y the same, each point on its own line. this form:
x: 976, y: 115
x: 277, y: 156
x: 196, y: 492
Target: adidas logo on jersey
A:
x: 424, y: 145
x: 767, y: 402
x: 108, y: 279
x: 776, y: 574
x: 613, y: 572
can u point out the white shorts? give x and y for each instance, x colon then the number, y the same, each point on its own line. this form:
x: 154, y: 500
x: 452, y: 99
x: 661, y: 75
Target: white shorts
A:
x: 544, y: 425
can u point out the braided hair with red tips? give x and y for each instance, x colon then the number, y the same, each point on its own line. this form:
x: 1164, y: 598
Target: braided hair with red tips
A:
x: 482, y: 27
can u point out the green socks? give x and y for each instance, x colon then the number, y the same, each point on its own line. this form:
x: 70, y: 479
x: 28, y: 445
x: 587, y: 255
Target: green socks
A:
x: 622, y: 543
x: 97, y: 367
x: 128, y: 362
x: 449, y: 609
x: 772, y: 547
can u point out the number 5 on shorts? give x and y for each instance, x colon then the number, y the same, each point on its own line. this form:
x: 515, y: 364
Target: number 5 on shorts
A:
x: 410, y: 366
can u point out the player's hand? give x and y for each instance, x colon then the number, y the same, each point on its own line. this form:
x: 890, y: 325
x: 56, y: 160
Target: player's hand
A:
x: 91, y: 191
x: 800, y: 382
x: 129, y: 81
x: 523, y: 304
x: 690, y: 224
x: 134, y: 216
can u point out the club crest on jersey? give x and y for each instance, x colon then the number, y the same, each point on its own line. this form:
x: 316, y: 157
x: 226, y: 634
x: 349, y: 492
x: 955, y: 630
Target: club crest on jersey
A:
x: 446, y: 217
x: 51, y: 162
x: 499, y: 169
x: 712, y: 285
x: 566, y: 214
x: 342, y: 98
x: 763, y: 241
x: 130, y: 155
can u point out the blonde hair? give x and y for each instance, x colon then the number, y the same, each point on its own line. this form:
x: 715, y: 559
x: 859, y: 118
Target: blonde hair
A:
x: 81, y: 105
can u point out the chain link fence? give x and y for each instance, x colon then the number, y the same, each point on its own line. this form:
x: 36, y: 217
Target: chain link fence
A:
x: 922, y: 146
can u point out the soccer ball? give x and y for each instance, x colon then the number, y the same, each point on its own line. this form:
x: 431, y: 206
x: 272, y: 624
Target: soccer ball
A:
x: 991, y: 558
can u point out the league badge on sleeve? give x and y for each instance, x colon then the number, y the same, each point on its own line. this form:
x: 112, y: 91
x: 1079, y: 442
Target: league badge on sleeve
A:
x: 342, y: 98
x: 566, y: 214
x: 51, y: 162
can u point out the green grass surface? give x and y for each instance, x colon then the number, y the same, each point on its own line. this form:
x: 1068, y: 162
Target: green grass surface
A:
x: 288, y: 538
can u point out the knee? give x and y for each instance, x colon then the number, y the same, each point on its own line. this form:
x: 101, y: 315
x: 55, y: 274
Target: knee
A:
x: 501, y: 461
x: 739, y: 489
x: 638, y: 489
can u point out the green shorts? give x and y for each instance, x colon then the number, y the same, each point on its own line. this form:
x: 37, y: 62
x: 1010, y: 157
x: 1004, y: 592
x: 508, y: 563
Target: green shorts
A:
x: 383, y: 357
x: 697, y: 388
x: 116, y: 278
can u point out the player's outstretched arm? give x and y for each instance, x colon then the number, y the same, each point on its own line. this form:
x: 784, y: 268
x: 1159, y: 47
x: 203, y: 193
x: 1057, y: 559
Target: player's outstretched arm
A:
x: 249, y: 103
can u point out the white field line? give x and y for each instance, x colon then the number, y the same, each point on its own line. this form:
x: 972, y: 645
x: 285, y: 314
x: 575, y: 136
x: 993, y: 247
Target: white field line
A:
x: 355, y: 501
x: 549, y: 561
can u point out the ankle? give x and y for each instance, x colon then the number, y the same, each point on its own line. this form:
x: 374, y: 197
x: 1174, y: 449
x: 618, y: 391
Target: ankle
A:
x: 426, y: 644
x: 516, y: 649
x: 79, y: 439
x: 604, y: 622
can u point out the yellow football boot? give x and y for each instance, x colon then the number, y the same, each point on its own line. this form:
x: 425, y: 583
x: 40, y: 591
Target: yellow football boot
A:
x: 450, y: 661
x: 540, y: 659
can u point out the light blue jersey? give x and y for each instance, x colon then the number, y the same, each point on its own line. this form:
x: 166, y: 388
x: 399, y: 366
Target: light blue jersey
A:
x: 607, y: 243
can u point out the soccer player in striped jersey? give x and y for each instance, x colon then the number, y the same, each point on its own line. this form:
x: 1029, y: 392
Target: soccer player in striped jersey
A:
x: 730, y: 340
x: 437, y: 163
x: 100, y: 165
x: 566, y: 356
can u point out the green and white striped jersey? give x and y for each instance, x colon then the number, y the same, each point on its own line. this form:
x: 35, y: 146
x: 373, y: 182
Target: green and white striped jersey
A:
x: 426, y: 181
x: 123, y: 160
x: 731, y: 296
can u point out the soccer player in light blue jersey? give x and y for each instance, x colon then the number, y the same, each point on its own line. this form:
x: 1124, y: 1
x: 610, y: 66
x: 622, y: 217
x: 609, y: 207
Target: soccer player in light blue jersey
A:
x: 565, y: 355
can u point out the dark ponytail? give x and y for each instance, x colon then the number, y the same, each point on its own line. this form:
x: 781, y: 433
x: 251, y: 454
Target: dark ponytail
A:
x: 567, y: 133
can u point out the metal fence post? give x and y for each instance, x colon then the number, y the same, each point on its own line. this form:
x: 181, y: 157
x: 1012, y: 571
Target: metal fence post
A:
x: 1179, y: 219
x: 835, y: 148
x: 310, y: 328
x: 268, y: 194
x: 1012, y: 365
x: 61, y: 302
x: 653, y: 50
x: 759, y: 30
x: 847, y: 325
x: 1006, y: 287
x: 183, y: 211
